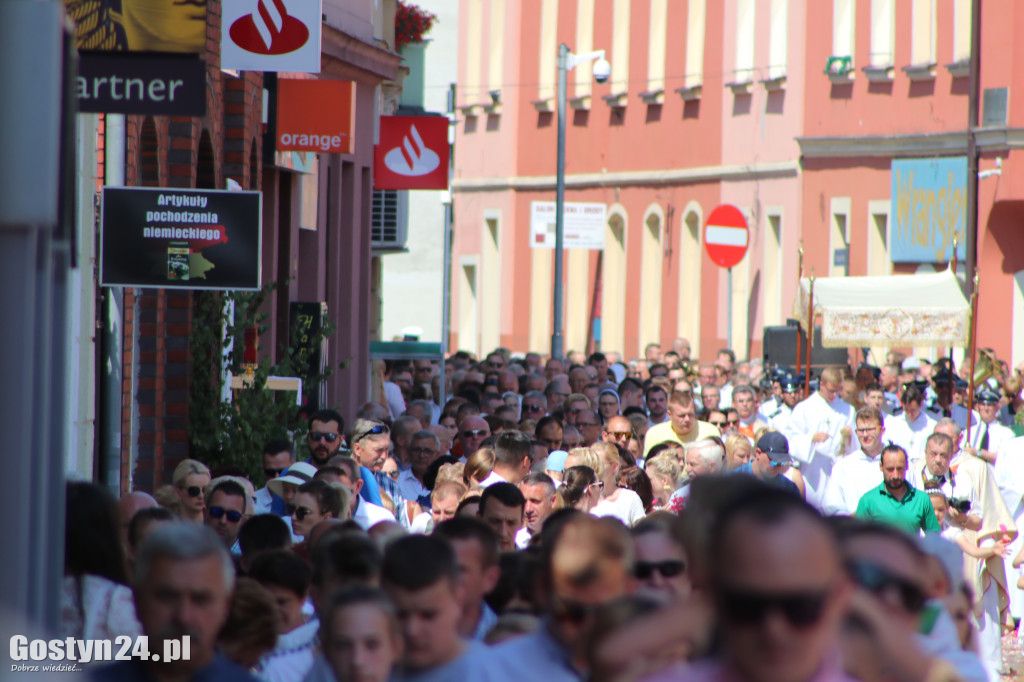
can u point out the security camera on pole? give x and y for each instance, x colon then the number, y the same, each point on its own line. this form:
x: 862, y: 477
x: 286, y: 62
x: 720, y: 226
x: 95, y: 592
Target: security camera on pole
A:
x: 567, y: 61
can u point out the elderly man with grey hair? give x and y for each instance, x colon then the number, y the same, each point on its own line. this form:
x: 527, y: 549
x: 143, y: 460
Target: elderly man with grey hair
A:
x: 704, y: 457
x: 182, y: 588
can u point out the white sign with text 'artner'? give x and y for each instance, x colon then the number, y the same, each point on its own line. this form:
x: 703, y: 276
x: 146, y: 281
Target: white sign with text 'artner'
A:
x: 271, y: 35
x: 584, y: 225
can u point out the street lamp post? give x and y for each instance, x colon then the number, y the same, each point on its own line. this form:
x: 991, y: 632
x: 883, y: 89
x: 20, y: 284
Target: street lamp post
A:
x: 567, y: 61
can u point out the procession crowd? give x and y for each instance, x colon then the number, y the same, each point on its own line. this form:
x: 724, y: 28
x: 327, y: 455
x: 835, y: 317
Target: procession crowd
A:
x: 584, y: 518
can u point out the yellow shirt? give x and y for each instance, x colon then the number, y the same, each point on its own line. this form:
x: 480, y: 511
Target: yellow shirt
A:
x: 663, y: 433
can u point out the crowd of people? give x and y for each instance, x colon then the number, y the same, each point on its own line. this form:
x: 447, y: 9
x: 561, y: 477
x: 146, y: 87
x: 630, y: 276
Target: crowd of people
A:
x: 584, y: 518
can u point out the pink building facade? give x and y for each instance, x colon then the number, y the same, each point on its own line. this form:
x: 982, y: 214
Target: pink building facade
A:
x: 902, y: 104
x: 660, y: 145
x: 713, y: 103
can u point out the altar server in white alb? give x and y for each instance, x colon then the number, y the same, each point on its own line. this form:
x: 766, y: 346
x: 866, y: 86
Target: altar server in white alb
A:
x: 858, y: 472
x: 911, y: 428
x: 1009, y: 468
x: 820, y: 429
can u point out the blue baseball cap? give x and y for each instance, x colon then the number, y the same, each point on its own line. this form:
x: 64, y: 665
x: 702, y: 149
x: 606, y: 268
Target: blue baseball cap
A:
x: 556, y: 460
x: 775, y: 445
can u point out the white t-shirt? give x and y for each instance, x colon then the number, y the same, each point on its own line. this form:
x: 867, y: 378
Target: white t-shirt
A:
x: 369, y: 514
x: 491, y: 479
x: 626, y: 507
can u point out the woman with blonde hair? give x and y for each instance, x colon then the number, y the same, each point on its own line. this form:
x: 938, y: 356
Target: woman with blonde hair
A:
x: 738, y: 451
x: 622, y: 503
x: 664, y: 473
x: 190, y: 480
x: 580, y: 489
x: 584, y: 457
x: 479, y: 466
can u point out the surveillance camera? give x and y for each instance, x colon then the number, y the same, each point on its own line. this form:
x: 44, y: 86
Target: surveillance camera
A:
x: 602, y: 70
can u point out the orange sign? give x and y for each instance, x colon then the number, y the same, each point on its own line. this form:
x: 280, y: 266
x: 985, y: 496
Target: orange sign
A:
x: 315, y: 116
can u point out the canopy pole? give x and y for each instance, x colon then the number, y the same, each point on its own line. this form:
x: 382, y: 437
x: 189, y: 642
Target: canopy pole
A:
x: 810, y: 337
x: 952, y: 267
x: 799, y: 276
x: 973, y: 351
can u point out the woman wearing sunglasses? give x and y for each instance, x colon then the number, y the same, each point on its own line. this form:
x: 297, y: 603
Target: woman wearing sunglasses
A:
x: 314, y: 502
x: 190, y: 479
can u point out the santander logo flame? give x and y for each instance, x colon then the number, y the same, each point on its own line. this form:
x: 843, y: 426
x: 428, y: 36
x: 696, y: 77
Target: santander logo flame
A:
x: 270, y: 30
x: 413, y: 157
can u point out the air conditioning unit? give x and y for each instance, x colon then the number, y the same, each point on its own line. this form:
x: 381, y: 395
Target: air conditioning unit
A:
x: 390, y: 219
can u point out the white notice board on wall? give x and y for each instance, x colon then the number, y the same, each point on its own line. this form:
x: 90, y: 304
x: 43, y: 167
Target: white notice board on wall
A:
x: 585, y: 225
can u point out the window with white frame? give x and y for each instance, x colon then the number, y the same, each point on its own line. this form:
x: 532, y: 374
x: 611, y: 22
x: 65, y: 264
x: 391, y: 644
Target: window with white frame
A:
x: 883, y: 32
x: 744, y: 69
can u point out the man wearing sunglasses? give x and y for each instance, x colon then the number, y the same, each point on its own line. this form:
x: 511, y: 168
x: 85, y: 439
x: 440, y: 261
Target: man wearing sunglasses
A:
x: 771, y: 457
x: 472, y: 432
x: 587, y: 562
x: 893, y: 631
x: 617, y: 429
x: 535, y: 405
x: 277, y: 457
x: 225, y: 509
x: 324, y: 436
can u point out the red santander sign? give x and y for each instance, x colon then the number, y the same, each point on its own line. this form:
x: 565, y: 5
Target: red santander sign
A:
x: 315, y: 115
x: 726, y: 236
x: 271, y: 35
x: 412, y: 154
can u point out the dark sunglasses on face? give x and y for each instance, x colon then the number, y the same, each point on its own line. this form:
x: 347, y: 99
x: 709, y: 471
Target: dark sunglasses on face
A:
x: 233, y: 516
x: 375, y: 431
x: 300, y: 513
x: 743, y: 607
x: 273, y: 473
x: 881, y: 582
x: 719, y: 424
x: 619, y: 435
x: 533, y: 408
x: 194, y: 491
x: 474, y: 432
x: 734, y: 422
x: 317, y: 435
x: 668, y: 569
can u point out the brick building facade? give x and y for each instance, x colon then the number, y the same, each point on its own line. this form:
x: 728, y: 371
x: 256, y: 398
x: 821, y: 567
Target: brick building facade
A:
x: 205, y: 153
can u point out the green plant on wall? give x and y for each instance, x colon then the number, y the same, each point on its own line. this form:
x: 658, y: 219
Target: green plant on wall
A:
x: 233, y: 433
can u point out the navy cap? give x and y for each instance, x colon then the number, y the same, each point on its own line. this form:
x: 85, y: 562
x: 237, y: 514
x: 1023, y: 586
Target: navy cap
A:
x: 943, y: 376
x: 986, y: 396
x: 919, y: 384
x: 775, y: 445
x: 791, y: 383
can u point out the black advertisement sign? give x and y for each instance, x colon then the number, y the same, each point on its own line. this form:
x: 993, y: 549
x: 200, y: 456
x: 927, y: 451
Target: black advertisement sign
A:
x: 180, y: 238
x: 136, y: 83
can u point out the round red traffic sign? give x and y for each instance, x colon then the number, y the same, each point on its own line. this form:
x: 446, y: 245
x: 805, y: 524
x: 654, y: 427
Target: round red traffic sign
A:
x: 726, y: 236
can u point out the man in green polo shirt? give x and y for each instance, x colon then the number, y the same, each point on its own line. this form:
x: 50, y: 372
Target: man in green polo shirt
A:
x: 895, y: 501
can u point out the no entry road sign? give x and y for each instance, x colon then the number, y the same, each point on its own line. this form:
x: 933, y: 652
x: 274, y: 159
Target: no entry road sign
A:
x: 726, y: 236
